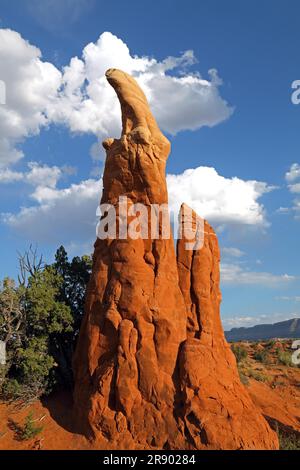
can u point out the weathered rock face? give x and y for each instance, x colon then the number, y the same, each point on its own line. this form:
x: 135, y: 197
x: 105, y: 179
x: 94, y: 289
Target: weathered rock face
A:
x: 152, y: 368
x: 135, y: 314
x: 218, y: 412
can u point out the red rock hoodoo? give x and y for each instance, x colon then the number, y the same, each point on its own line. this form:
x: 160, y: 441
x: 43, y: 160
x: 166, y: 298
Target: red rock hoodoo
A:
x: 218, y: 412
x: 152, y: 368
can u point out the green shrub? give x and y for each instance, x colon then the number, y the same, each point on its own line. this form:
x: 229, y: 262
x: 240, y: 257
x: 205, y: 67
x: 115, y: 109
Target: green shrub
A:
x: 243, y: 378
x: 270, y: 343
x: 289, y: 442
x: 262, y: 356
x: 240, y: 352
x: 29, y: 430
x: 11, y: 390
x: 285, y: 358
x: 39, y: 323
x: 33, y: 361
x: 256, y: 375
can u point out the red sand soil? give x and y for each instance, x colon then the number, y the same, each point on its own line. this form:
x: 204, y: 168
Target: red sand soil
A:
x: 54, y: 414
x: 278, y: 398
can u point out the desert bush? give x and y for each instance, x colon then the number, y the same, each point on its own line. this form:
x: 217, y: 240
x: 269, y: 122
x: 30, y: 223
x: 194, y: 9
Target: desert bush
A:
x: 240, y: 352
x: 39, y: 322
x: 289, y: 442
x: 262, y: 356
x: 243, y: 378
x: 285, y: 358
x: 256, y: 375
x: 29, y: 430
x: 11, y: 390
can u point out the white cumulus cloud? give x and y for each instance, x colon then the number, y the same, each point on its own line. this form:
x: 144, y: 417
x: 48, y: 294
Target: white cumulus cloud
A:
x: 293, y: 179
x: 10, y: 176
x: 79, y: 97
x: 31, y: 86
x: 60, y: 216
x: 38, y: 175
x: 218, y: 199
x: 293, y: 173
x: 232, y: 252
x: 237, y: 275
x: 246, y: 321
x: 70, y: 212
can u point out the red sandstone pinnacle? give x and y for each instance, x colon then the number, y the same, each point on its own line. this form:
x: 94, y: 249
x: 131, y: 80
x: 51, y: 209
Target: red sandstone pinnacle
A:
x: 135, y: 315
x: 218, y: 411
x: 152, y: 369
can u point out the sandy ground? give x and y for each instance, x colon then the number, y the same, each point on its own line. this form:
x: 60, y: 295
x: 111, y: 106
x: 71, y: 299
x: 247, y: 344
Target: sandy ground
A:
x: 277, y: 395
x: 53, y: 414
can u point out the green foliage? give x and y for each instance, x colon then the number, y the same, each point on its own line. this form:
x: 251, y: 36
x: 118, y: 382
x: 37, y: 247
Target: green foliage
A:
x: 285, y: 358
x: 39, y: 322
x: 262, y: 356
x: 75, y: 275
x: 257, y: 375
x: 11, y: 311
x: 243, y: 378
x: 289, y: 441
x: 11, y: 390
x: 33, y: 360
x: 30, y: 430
x: 240, y: 352
x: 44, y: 311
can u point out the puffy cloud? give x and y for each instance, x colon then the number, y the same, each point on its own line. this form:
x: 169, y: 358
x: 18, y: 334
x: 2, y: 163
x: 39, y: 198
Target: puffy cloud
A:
x: 61, y: 216
x: 43, y: 175
x: 252, y: 320
x: 218, y: 199
x: 37, y: 175
x: 186, y: 103
x: 294, y: 187
x: 239, y: 321
x: 296, y: 208
x: 236, y: 275
x: 31, y: 85
x: 232, y: 252
x: 9, y: 176
x: 293, y: 173
x: 178, y: 102
x: 71, y: 212
x: 79, y: 97
x: 292, y: 176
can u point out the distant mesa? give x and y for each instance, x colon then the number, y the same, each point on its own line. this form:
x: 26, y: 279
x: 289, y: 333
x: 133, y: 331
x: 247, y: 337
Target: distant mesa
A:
x: 281, y: 330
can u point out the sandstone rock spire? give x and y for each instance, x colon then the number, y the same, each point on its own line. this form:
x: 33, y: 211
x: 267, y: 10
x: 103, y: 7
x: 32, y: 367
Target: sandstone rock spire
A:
x: 152, y: 368
x: 218, y: 411
x: 135, y: 315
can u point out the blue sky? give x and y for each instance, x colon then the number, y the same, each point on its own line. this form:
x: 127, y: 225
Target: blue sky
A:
x: 236, y: 128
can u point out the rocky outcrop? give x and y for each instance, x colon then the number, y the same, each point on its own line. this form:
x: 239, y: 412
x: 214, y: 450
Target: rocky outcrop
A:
x: 152, y: 368
x: 135, y: 314
x: 218, y: 412
x: 282, y: 409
